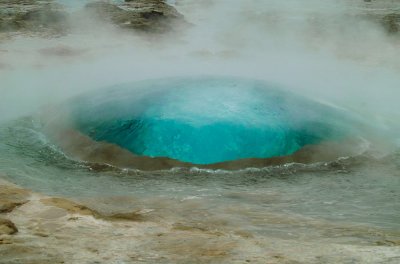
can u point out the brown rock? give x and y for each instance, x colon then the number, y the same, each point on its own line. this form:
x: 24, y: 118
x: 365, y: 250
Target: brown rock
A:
x: 69, y: 206
x: 25, y: 253
x: 75, y: 208
x: 11, y: 197
x: 7, y: 227
x: 391, y: 243
x: 131, y: 216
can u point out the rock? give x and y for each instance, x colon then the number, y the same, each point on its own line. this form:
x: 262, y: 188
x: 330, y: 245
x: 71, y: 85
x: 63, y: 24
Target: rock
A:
x: 386, y: 242
x: 69, y: 206
x: 391, y: 23
x: 7, y: 227
x: 11, y: 197
x: 131, y: 216
x: 8, y: 206
x: 13, y: 253
x: 32, y: 16
x: 143, y: 15
x: 44, y: 17
x: 75, y: 208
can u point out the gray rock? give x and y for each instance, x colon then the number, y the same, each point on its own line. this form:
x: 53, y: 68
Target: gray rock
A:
x: 32, y: 16
x: 144, y: 15
x: 391, y: 22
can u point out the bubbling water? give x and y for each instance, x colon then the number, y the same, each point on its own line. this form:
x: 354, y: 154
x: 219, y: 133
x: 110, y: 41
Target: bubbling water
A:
x: 207, y: 120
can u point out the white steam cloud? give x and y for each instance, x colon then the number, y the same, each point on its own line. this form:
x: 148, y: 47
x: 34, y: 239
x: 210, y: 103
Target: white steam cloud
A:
x: 330, y: 50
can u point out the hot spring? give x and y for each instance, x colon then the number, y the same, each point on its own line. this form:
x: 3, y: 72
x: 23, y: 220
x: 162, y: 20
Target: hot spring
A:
x: 233, y: 155
x: 206, y: 120
x: 261, y: 132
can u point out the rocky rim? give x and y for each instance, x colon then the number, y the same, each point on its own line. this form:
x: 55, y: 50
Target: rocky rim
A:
x: 43, y: 229
x: 149, y: 16
x: 52, y: 19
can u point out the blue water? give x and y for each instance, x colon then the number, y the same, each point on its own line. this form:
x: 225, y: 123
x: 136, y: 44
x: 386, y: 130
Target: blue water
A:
x: 206, y: 120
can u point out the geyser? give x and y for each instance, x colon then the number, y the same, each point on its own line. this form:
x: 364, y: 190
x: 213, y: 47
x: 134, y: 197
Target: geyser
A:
x: 206, y: 120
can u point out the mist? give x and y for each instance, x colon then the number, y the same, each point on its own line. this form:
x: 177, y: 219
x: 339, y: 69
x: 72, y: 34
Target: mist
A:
x: 327, y: 50
x: 264, y: 131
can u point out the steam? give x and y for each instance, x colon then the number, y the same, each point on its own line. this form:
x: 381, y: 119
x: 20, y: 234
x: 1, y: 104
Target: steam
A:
x: 328, y: 50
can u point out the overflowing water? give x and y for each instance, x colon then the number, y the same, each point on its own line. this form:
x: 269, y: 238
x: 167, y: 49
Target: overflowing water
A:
x: 207, y: 120
x: 314, y: 158
x: 350, y: 192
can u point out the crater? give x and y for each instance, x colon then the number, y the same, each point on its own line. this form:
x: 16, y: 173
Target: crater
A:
x: 205, y: 121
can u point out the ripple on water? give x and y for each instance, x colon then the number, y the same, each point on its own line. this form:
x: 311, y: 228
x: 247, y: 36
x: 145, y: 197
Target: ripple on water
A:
x: 207, y: 120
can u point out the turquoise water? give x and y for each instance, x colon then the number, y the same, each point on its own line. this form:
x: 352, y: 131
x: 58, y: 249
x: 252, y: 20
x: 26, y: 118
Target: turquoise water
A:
x: 207, y: 120
x: 348, y: 200
x: 358, y: 191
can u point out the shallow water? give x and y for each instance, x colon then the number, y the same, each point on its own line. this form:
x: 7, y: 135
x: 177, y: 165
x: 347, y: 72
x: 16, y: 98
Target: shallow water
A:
x: 349, y: 200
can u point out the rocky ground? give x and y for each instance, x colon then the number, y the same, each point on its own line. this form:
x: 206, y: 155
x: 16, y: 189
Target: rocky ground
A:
x: 47, y: 17
x: 30, y: 16
x: 52, y: 19
x: 148, y: 15
x: 35, y: 228
x: 385, y: 13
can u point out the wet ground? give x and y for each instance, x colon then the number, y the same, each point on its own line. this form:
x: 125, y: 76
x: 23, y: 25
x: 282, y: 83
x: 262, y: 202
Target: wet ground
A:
x: 65, y: 209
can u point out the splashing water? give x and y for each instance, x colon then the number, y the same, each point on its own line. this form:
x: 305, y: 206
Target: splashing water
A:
x: 207, y: 120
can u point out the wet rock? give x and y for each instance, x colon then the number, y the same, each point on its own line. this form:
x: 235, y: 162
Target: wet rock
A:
x: 69, y: 206
x: 32, y: 16
x: 131, y: 216
x: 46, y: 17
x: 244, y: 234
x: 391, y: 23
x: 198, y: 248
x: 5, y: 241
x: 52, y: 213
x: 75, y: 208
x: 14, y: 253
x: 7, y: 206
x: 386, y: 242
x: 11, y: 197
x: 143, y: 15
x: 7, y: 227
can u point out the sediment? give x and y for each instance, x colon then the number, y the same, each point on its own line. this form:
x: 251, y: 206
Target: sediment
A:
x: 58, y: 230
